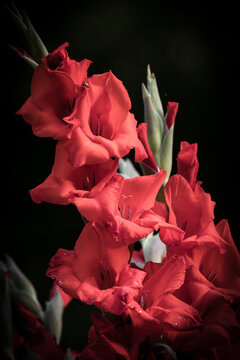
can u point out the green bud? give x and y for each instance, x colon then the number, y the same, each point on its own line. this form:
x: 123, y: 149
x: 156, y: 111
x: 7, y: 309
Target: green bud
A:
x: 153, y: 248
x: 155, y: 124
x: 166, y: 153
x: 153, y: 91
x: 21, y: 288
x: 127, y: 169
x: 19, y: 279
x: 27, y: 37
x: 24, y: 56
x: 53, y: 315
x: 160, y: 127
x: 26, y: 300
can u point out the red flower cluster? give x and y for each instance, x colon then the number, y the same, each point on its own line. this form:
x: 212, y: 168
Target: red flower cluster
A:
x: 188, y: 301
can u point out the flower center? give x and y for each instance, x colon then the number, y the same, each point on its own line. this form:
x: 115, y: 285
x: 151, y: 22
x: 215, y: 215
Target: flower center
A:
x: 106, y: 277
x: 96, y: 124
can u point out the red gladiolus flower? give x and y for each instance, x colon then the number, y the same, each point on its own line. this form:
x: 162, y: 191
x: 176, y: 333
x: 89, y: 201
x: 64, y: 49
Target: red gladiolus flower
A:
x: 195, y: 217
x: 106, y: 127
x: 219, y: 325
x: 97, y: 271
x: 157, y: 304
x: 66, y: 182
x: 221, y: 271
x: 115, y: 339
x: 91, y: 115
x: 125, y: 207
x: 53, y: 95
x: 107, y: 340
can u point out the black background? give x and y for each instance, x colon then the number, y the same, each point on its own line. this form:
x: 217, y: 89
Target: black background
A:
x: 192, y: 49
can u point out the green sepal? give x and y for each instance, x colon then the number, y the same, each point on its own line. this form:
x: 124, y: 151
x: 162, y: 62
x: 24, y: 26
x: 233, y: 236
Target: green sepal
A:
x: 166, y: 153
x: 53, y: 315
x: 27, y: 301
x: 21, y: 288
x: 19, y: 279
x: 127, y: 169
x: 153, y: 91
x: 27, y: 37
x: 153, y: 248
x: 155, y: 125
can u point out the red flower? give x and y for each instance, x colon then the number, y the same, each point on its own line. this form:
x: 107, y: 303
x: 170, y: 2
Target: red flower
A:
x: 66, y: 182
x: 91, y: 115
x: 115, y: 339
x: 157, y: 303
x: 219, y: 325
x: 97, y: 271
x: 195, y: 217
x: 107, y: 340
x: 106, y: 128
x: 53, y: 95
x: 125, y: 206
x: 221, y: 271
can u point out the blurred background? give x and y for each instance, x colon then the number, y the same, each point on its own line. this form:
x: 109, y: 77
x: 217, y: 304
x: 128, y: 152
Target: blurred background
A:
x: 191, y: 48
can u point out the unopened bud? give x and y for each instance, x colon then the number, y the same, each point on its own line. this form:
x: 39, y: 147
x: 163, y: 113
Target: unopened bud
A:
x: 28, y: 38
x: 160, y: 126
x: 21, y: 288
x: 127, y: 169
x: 53, y: 315
x: 167, y: 142
x: 153, y: 248
x: 155, y: 123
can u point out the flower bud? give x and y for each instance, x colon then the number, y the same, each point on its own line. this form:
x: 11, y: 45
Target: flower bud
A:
x: 127, y: 169
x: 155, y: 124
x: 167, y: 142
x: 28, y: 39
x: 19, y: 278
x: 26, y: 57
x: 53, y: 315
x: 21, y: 288
x: 153, y: 248
x: 160, y: 126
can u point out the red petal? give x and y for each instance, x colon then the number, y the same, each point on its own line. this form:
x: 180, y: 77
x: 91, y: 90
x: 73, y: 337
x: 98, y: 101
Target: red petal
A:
x: 172, y: 109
